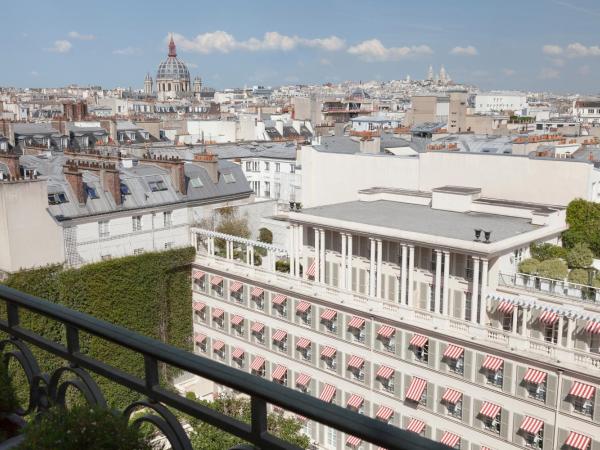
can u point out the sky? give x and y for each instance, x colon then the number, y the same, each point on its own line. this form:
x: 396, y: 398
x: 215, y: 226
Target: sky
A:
x: 539, y: 45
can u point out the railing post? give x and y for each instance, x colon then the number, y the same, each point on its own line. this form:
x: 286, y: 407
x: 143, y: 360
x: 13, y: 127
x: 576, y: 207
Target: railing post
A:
x: 72, y: 341
x: 150, y: 372
x: 259, y: 416
x: 12, y: 311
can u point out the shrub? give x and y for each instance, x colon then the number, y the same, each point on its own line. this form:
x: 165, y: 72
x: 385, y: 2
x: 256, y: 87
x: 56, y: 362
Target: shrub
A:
x: 580, y: 256
x: 553, y: 268
x: 282, y: 266
x: 545, y: 251
x: 579, y: 276
x: 596, y: 281
x: 583, y: 218
x: 265, y: 235
x: 529, y: 266
x: 8, y: 397
x: 82, y: 427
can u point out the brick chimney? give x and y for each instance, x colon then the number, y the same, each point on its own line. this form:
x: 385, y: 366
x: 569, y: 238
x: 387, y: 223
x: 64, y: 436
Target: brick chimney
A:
x: 176, y: 168
x: 210, y: 163
x: 12, y: 161
x: 75, y: 180
x: 112, y: 183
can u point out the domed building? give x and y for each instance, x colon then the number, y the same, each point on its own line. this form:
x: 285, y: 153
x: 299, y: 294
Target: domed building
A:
x: 173, y: 76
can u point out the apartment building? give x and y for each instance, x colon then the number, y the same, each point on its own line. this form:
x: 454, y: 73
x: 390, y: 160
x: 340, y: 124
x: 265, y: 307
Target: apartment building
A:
x: 408, y: 307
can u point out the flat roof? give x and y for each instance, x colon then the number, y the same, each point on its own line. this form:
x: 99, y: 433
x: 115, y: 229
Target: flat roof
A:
x: 423, y: 219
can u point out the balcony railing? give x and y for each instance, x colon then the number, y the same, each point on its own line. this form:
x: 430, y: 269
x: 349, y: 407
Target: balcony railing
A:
x: 48, y: 388
x: 551, y: 287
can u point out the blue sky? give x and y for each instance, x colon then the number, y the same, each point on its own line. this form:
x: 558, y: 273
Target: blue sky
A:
x: 525, y: 44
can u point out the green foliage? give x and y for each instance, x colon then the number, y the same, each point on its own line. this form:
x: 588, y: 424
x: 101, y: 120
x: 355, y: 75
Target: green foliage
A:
x: 207, y: 437
x: 553, y: 268
x: 580, y: 256
x: 282, y: 266
x: 82, y: 428
x: 265, y: 235
x: 529, y: 266
x: 8, y: 397
x: 579, y: 276
x: 545, y: 251
x: 583, y: 218
x: 596, y: 281
x: 230, y: 223
x: 149, y: 294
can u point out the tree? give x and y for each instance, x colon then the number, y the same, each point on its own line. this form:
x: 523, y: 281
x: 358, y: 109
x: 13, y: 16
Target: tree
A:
x: 207, y: 437
x: 583, y: 218
x: 579, y: 276
x: 265, y: 235
x: 529, y: 266
x: 580, y: 256
x: 546, y: 251
x: 230, y: 223
x: 553, y: 268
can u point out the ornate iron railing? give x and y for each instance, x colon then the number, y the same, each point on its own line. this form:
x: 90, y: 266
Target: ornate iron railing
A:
x: 46, y: 389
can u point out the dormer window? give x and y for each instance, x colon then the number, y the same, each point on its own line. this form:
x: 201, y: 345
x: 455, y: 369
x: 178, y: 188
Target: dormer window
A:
x: 229, y: 178
x: 57, y: 198
x: 196, y: 182
x: 125, y: 189
x: 91, y: 192
x: 156, y: 186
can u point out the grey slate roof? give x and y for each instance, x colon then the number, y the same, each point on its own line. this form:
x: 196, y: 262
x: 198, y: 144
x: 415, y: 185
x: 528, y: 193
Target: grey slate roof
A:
x: 349, y: 144
x: 272, y: 150
x: 26, y: 129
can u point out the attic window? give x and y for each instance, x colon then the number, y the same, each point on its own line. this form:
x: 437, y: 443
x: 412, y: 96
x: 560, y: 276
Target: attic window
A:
x: 229, y: 178
x: 196, y: 182
x: 57, y: 199
x: 91, y: 192
x: 156, y: 186
x: 125, y: 189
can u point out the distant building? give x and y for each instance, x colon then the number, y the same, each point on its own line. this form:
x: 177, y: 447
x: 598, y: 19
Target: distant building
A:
x: 500, y: 101
x: 173, y: 76
x: 587, y: 111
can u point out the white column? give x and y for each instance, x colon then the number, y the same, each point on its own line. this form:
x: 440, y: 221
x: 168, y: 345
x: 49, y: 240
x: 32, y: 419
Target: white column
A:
x: 403, y: 270
x: 411, y: 275
x: 349, y: 264
x: 514, y: 319
x: 299, y: 248
x: 372, y: 268
x: 438, y: 280
x: 317, y: 255
x: 272, y: 260
x: 524, y: 321
x: 248, y: 255
x: 446, y: 286
x: 379, y: 274
x: 211, y: 246
x: 483, y: 291
x: 475, y: 290
x: 322, y: 257
x: 343, y: 263
x: 292, y: 252
x: 559, y: 338
x: 570, y: 322
x: 227, y: 250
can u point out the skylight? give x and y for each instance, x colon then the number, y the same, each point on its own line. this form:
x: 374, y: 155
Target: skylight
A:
x: 196, y: 182
x: 229, y: 178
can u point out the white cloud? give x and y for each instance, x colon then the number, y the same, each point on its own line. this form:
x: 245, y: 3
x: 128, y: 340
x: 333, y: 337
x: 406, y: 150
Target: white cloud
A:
x: 374, y: 50
x: 469, y: 50
x: 325, y: 62
x: 509, y: 72
x: 549, y: 74
x: 60, y: 46
x: 127, y: 51
x: 552, y: 50
x: 34, y: 73
x: 223, y: 42
x: 573, y: 50
x: 81, y: 37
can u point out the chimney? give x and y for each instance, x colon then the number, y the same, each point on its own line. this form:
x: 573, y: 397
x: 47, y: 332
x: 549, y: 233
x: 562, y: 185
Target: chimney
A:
x: 176, y: 168
x: 210, y: 163
x: 75, y: 180
x: 370, y: 145
x: 111, y: 182
x: 12, y: 162
x: 338, y: 128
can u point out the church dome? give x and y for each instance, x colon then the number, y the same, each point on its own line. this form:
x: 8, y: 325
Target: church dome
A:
x: 172, y: 69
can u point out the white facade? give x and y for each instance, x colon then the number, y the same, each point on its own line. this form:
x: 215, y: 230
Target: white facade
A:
x: 213, y: 131
x: 488, y: 102
x: 273, y: 178
x: 587, y: 111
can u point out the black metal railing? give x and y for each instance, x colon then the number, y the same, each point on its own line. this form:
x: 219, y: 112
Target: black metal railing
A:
x: 51, y: 388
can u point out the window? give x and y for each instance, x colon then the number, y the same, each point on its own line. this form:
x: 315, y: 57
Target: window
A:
x: 387, y: 384
x: 259, y: 301
x: 124, y: 189
x: 103, y: 229
x: 259, y: 336
x: 358, y: 334
x: 331, y: 325
x: 455, y: 409
x: 537, y: 391
x: 357, y: 374
x: 331, y: 363
x: 136, y: 223
x: 138, y: 251
x: 57, y: 199
x: 535, y: 440
x: 167, y: 219
x: 229, y: 178
x: 583, y: 406
x: 292, y: 168
x: 267, y: 166
x: 196, y: 182
x: 492, y: 424
x: 331, y: 438
x: 256, y: 187
x: 168, y: 245
x: 255, y: 166
x: 248, y: 166
x: 277, y: 190
x: 156, y: 186
x: 495, y: 377
x: 551, y: 333
x: 277, y: 167
x: 90, y: 192
x: 267, y: 189
x: 305, y: 353
x: 422, y: 353
x: 457, y: 365
x: 507, y: 322
x: 468, y: 305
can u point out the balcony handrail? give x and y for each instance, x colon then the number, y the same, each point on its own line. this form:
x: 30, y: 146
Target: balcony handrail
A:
x: 260, y: 390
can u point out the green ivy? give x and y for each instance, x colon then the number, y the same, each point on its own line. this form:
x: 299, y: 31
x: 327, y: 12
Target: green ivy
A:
x: 149, y: 294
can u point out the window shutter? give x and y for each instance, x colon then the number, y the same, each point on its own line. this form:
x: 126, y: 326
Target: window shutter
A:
x: 457, y: 305
x: 476, y: 408
x: 466, y: 409
x: 468, y: 365
x: 441, y: 407
x: 521, y: 389
x: 362, y: 278
x: 517, y: 419
x: 480, y: 377
x: 432, y: 360
x: 507, y: 379
x: 551, y: 382
x: 565, y: 404
x: 504, y: 423
x: 548, y: 435
x: 335, y: 274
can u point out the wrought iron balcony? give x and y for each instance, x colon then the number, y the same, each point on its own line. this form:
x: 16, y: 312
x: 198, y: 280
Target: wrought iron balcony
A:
x: 51, y: 388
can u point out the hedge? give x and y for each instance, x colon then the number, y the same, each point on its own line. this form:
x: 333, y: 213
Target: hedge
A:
x: 149, y: 294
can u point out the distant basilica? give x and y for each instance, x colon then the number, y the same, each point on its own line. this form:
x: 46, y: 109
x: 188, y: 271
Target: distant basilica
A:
x: 172, y: 78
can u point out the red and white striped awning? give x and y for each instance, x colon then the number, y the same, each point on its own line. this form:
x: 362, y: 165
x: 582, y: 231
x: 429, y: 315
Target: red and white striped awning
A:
x: 355, y: 401
x: 279, y: 335
x: 257, y: 327
x: 303, y: 343
x: 386, y: 332
x: 593, y: 327
x: 216, y: 280
x: 327, y: 393
x: 451, y: 396
x: 257, y: 364
x: 506, y: 307
x: 312, y: 269
x: 238, y: 353
x: 534, y: 376
x: 328, y: 314
x: 256, y: 291
x: 356, y: 322
x: 279, y: 372
x: 355, y: 362
x: 328, y: 352
x: 416, y: 426
x: 581, y: 390
x: 199, y: 306
x: 416, y: 388
x: 218, y: 346
x: 450, y: 439
x: 199, y: 338
x: 235, y: 286
x: 418, y: 340
x: 492, y: 363
x: 279, y: 299
x: 385, y: 372
x: 353, y: 441
x: 489, y: 409
x: 236, y: 320
x: 198, y: 274
x: 384, y: 413
x: 303, y: 379
x: 453, y: 352
x: 578, y: 441
x: 302, y: 307
x: 531, y: 425
x: 549, y: 318
x: 217, y: 313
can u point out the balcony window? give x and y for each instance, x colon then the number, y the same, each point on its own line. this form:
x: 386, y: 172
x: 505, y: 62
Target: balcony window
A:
x: 277, y: 167
x: 386, y: 384
x: 507, y: 322
x: 457, y: 365
x: 356, y: 327
x: 495, y: 378
x: 330, y: 363
x: 534, y: 440
x: 136, y: 223
x: 583, y: 406
x: 551, y: 333
x: 357, y: 374
x: 492, y: 424
x: 306, y: 354
x: 422, y: 353
x: 537, y: 391
x: 455, y: 409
